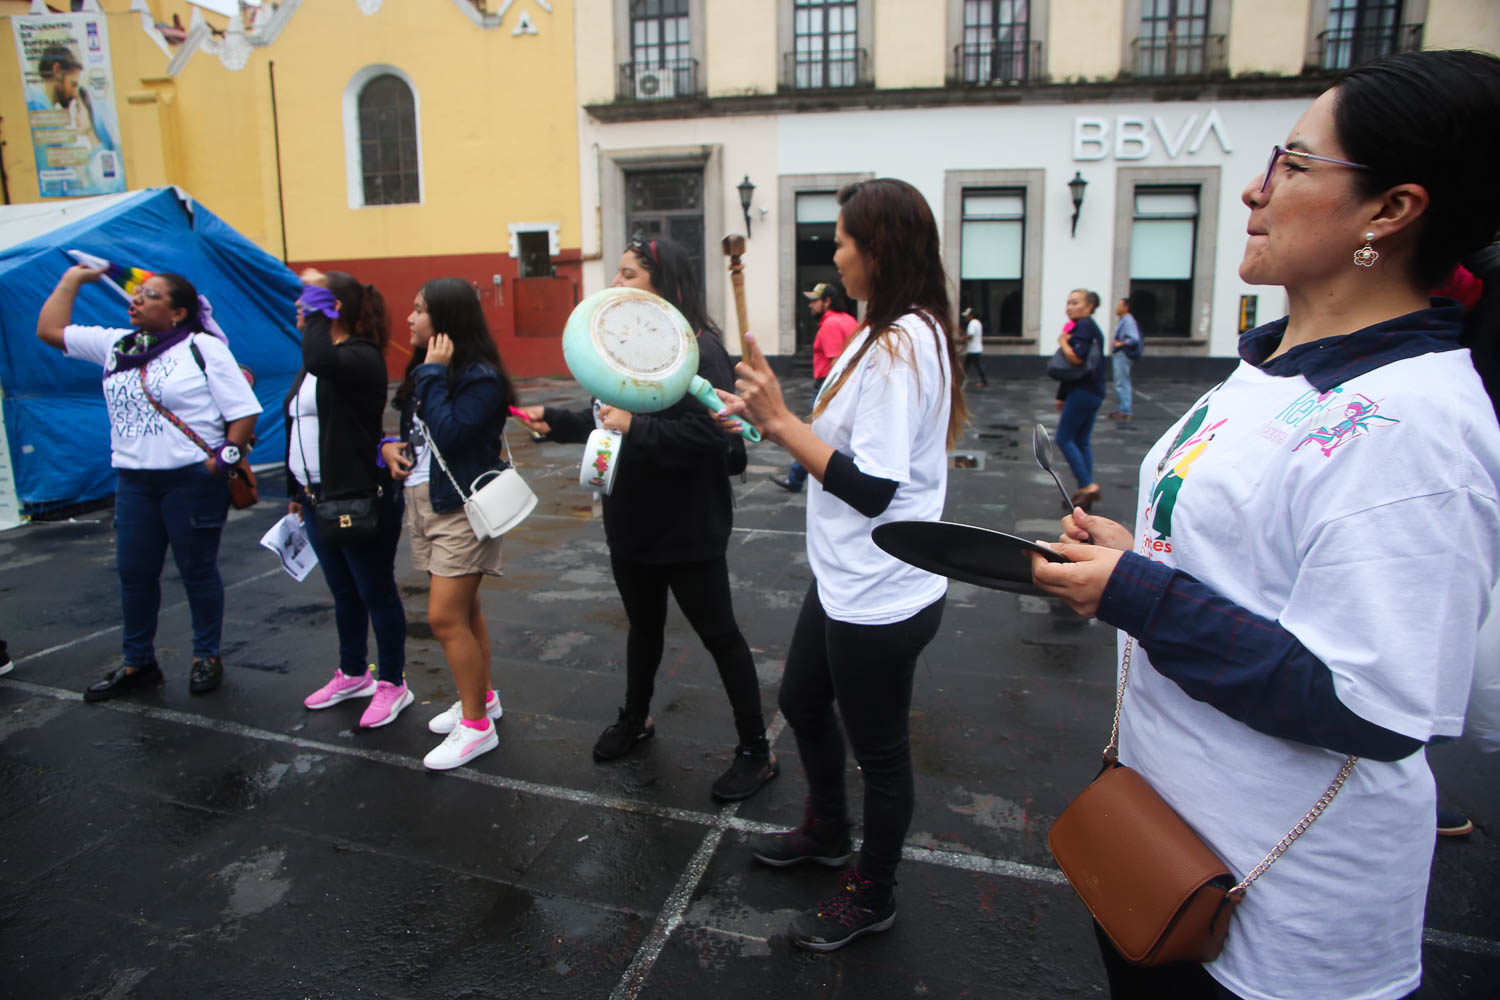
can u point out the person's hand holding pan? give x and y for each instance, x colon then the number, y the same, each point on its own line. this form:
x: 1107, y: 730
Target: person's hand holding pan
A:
x: 1080, y: 582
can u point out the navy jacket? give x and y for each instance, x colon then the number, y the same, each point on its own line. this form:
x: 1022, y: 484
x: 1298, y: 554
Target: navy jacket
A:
x: 466, y: 426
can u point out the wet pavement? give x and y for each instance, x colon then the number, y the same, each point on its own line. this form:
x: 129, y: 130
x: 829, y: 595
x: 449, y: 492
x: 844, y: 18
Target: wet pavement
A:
x: 237, y: 845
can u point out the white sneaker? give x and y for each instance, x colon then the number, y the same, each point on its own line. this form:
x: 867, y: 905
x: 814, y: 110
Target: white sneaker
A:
x: 462, y: 746
x: 444, y: 721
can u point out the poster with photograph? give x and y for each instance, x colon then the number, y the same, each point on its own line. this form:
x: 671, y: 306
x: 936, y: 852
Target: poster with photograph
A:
x: 70, y: 103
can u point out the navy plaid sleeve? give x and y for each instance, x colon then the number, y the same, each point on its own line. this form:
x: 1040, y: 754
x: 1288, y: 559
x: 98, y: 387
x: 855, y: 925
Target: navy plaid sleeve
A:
x: 1246, y: 666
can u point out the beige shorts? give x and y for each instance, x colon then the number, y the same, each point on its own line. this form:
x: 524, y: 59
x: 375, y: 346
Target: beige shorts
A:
x: 445, y: 544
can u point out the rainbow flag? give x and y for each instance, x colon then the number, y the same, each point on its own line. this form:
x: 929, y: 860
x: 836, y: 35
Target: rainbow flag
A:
x: 125, y: 280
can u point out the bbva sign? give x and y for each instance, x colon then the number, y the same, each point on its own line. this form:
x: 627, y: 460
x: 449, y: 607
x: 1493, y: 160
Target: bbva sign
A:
x: 1132, y: 136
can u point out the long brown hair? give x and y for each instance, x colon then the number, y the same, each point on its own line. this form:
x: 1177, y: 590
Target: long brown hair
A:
x: 893, y: 229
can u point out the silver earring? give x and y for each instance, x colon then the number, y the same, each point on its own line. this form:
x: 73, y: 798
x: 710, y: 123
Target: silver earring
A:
x: 1366, y: 256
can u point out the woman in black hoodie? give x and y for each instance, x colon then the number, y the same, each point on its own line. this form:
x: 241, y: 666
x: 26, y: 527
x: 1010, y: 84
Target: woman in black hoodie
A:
x: 334, y: 412
x: 667, y: 522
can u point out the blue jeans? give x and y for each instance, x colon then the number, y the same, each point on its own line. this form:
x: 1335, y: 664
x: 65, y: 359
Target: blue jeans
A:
x: 1121, y: 362
x: 361, y: 576
x: 155, y: 508
x: 796, y: 476
x: 1074, y: 428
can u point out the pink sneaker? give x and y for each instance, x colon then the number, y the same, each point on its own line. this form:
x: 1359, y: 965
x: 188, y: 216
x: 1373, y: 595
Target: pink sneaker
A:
x: 341, y: 688
x: 388, y: 702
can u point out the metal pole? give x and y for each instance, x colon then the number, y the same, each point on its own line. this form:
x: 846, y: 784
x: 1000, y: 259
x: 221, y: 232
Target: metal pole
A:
x: 276, y: 135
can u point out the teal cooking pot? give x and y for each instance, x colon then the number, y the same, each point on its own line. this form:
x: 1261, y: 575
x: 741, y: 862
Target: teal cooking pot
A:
x: 634, y: 350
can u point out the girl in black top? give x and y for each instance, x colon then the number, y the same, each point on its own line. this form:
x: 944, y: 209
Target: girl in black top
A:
x: 667, y: 522
x: 333, y: 425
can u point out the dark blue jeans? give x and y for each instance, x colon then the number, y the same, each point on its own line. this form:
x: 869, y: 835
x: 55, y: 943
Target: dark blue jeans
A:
x: 361, y: 576
x: 185, y: 509
x: 1074, y: 428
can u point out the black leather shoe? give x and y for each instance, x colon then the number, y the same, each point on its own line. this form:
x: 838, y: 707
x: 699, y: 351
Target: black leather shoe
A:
x: 786, y: 484
x: 120, y: 681
x: 205, y: 675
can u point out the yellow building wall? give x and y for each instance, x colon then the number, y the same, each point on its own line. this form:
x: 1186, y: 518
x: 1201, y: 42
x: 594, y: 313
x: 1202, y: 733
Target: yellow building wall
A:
x: 499, y: 132
x: 742, y: 50
x: 1085, y: 39
x: 1462, y: 24
x: 595, y: 45
x: 1268, y: 36
x: 911, y: 41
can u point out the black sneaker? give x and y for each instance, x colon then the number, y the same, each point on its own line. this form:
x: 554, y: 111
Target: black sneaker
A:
x: 616, y: 741
x: 787, y: 484
x: 121, y: 681
x: 860, y: 908
x: 205, y: 675
x: 5, y: 665
x: 822, y: 841
x: 751, y: 768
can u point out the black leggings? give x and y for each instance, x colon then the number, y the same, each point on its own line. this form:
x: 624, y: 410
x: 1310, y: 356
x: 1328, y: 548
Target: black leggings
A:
x: 702, y: 592
x: 867, y: 671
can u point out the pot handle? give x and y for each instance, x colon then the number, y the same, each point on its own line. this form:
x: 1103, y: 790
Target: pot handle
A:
x: 700, y: 389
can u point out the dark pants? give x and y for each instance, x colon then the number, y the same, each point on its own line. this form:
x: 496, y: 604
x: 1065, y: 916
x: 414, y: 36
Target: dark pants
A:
x: 361, y: 576
x: 1074, y: 428
x: 973, y: 359
x: 867, y: 671
x: 156, y: 508
x: 702, y: 592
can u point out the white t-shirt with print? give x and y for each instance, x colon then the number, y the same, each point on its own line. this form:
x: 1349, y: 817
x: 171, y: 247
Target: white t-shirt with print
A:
x: 206, y: 399
x: 975, y: 330
x: 302, y: 433
x: 892, y: 417
x: 422, y: 463
x: 1365, y: 521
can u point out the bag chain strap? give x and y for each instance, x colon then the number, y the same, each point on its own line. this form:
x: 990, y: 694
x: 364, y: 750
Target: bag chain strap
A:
x: 1111, y: 755
x: 504, y: 452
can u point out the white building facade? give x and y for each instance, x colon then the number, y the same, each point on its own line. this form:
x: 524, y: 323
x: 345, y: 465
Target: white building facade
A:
x: 1167, y: 109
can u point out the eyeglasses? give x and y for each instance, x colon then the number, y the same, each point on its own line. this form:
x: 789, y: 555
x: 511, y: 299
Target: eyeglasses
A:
x: 147, y: 292
x: 1277, y: 152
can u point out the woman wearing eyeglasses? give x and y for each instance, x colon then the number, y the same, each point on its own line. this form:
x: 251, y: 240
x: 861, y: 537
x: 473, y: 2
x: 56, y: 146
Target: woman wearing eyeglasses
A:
x: 667, y: 522
x: 168, y: 494
x: 1316, y: 540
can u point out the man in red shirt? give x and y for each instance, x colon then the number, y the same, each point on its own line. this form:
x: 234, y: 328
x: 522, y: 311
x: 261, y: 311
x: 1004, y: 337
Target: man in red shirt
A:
x: 836, y: 324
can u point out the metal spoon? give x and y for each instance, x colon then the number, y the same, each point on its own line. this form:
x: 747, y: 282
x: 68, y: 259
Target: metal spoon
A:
x: 1041, y: 446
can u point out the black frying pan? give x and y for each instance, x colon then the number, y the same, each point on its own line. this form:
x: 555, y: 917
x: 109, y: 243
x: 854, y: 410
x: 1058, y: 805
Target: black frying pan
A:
x: 965, y: 552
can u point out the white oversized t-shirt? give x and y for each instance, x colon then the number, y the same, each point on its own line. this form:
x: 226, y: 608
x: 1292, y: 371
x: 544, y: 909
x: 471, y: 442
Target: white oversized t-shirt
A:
x: 206, y: 399
x: 1365, y: 521
x: 891, y: 416
x: 975, y: 330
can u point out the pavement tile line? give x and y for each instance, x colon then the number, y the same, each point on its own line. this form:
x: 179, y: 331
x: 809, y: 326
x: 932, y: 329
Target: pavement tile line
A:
x: 718, y: 823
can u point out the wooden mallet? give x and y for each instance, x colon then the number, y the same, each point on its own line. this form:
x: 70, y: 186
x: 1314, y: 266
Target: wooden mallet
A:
x: 734, y: 247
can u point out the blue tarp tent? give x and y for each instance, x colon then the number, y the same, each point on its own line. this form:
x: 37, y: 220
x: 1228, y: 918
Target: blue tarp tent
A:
x: 55, y: 420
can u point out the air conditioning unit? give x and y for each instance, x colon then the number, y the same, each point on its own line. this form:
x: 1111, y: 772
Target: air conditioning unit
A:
x: 655, y: 85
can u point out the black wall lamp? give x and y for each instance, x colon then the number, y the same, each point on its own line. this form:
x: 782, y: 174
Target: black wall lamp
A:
x: 1075, y: 188
x: 747, y: 191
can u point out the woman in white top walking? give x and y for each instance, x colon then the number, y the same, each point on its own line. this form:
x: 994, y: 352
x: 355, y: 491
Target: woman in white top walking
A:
x: 877, y: 450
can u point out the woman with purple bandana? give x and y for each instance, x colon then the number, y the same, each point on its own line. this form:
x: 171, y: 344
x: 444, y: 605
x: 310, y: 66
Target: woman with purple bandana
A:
x: 167, y: 494
x: 334, y: 412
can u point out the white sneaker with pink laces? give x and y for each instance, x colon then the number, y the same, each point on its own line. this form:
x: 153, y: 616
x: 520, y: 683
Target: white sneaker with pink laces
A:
x: 463, y: 745
x: 388, y: 702
x: 341, y: 688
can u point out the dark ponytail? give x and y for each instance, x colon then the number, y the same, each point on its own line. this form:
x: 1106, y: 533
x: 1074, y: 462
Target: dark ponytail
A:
x: 183, y: 296
x: 361, y: 308
x: 1482, y: 325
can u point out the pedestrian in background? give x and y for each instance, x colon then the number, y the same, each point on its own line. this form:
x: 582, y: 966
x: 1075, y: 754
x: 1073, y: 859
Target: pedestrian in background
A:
x: 973, y: 340
x: 1078, y: 400
x: 1124, y: 348
x: 836, y: 324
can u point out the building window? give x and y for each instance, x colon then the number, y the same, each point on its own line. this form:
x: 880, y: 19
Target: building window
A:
x: 388, y: 142
x: 1163, y: 246
x: 817, y: 217
x: 825, y: 45
x: 1361, y: 30
x: 661, y: 66
x: 667, y: 203
x: 992, y: 258
x: 1174, y: 39
x: 997, y: 46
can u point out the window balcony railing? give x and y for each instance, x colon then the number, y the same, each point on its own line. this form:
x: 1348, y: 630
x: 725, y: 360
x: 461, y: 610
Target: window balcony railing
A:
x: 817, y: 71
x: 1174, y: 55
x: 657, y: 81
x: 997, y: 63
x: 1341, y: 48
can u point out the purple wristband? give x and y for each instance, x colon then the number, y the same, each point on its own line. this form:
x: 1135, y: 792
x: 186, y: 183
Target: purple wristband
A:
x: 316, y: 298
x: 226, y: 455
x: 380, y: 451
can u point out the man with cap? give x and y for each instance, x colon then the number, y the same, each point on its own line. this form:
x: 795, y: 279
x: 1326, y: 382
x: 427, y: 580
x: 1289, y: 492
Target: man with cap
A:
x: 836, y: 324
x: 974, y: 345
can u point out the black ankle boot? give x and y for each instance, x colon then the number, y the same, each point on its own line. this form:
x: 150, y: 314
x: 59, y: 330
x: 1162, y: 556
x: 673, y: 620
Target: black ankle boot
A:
x: 752, y: 767
x: 823, y: 841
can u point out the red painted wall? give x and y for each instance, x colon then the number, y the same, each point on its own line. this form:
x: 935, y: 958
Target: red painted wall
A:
x: 399, y: 279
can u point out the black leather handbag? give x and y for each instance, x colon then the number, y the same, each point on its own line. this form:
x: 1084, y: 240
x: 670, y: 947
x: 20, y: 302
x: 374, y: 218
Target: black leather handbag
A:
x: 349, y: 519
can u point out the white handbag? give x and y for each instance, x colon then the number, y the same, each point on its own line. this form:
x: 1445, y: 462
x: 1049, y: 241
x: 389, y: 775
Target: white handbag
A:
x: 499, y: 504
